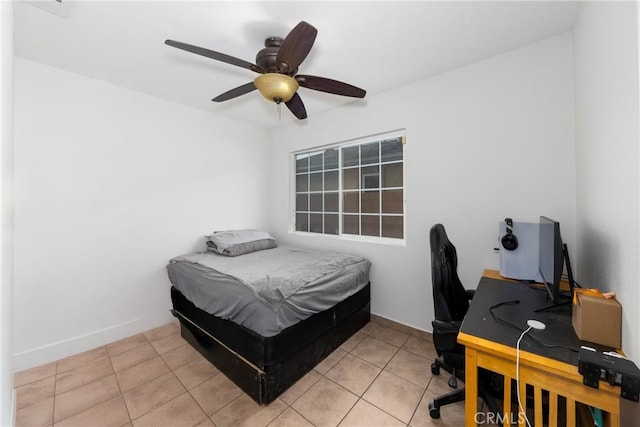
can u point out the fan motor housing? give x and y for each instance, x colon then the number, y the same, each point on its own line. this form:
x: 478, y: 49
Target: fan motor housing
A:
x: 266, y: 58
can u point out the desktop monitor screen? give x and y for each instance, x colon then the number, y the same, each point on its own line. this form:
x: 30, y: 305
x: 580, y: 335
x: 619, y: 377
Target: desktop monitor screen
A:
x: 551, y: 256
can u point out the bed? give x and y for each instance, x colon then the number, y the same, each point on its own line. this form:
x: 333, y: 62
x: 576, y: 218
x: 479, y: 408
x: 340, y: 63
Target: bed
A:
x: 267, y: 317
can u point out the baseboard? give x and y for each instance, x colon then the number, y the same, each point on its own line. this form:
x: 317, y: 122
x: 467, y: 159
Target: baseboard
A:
x: 401, y: 327
x: 68, y: 347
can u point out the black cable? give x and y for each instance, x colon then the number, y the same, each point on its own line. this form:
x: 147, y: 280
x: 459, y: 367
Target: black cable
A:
x: 512, y: 325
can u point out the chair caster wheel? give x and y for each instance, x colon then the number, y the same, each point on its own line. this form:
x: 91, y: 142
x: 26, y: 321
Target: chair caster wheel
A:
x: 453, y: 382
x: 435, y: 369
x: 434, y: 412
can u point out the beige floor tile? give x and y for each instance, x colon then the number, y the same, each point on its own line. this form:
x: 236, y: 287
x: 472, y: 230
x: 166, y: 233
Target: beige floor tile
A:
x: 112, y: 413
x: 215, y: 393
x: 133, y: 357
x: 244, y: 411
x: 411, y: 367
x: 389, y: 335
x: 354, y: 374
x: 68, y: 380
x: 181, y: 411
x: 369, y: 327
x: 375, y: 351
x: 181, y: 356
x: 439, y: 384
x: 84, y: 397
x: 421, y: 347
x: 196, y: 372
x: 143, y: 372
x: 35, y: 392
x: 394, y: 395
x: 330, y: 361
x: 206, y: 423
x: 163, y: 331
x: 153, y: 394
x: 126, y: 344
x: 450, y: 415
x: 365, y: 414
x: 34, y: 374
x: 81, y: 359
x: 353, y: 341
x: 325, y: 403
x: 168, y: 343
x: 302, y: 385
x: 37, y: 415
x: 290, y: 418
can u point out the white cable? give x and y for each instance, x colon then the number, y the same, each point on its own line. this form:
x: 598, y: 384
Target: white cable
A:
x: 518, y: 375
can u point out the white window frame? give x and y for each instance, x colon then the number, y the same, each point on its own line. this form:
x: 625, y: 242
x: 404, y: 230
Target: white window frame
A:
x: 401, y: 133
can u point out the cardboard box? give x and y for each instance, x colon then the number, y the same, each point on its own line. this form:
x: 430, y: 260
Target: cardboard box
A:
x: 598, y: 320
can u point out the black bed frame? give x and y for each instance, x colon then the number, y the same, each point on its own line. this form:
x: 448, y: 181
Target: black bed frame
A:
x: 264, y: 367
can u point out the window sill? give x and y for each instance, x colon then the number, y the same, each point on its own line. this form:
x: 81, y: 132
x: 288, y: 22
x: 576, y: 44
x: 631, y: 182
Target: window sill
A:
x: 352, y: 238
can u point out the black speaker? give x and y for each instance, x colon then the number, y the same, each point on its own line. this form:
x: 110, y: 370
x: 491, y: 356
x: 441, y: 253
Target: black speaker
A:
x: 509, y: 240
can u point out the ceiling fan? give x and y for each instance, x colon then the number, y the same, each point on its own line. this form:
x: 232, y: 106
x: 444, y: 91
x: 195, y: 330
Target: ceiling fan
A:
x: 277, y: 63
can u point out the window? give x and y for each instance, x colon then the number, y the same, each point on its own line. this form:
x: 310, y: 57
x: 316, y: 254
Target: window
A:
x: 355, y: 188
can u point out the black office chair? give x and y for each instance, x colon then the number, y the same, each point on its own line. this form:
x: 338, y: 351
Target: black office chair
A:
x: 451, y: 302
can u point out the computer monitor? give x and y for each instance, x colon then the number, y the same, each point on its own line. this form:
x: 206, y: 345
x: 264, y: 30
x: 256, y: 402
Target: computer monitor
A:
x: 551, y: 257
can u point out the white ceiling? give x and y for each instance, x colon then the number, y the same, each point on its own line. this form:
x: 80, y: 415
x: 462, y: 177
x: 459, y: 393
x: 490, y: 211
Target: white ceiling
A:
x: 374, y: 45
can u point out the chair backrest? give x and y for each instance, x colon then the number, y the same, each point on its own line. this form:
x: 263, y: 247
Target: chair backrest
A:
x: 449, y: 296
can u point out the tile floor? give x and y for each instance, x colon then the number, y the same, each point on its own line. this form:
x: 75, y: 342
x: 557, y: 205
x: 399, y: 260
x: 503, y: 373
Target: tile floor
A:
x: 379, y: 377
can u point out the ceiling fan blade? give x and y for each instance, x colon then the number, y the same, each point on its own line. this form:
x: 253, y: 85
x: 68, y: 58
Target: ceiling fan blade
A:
x: 215, y: 55
x: 296, y: 106
x: 235, y: 92
x: 295, y: 47
x: 330, y: 86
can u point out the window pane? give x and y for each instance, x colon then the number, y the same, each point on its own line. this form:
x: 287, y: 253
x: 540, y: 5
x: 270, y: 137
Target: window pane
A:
x: 331, y: 202
x: 392, y: 150
x: 350, y: 202
x: 302, y: 202
x: 302, y: 222
x: 331, y: 181
x: 369, y: 153
x: 302, y: 163
x: 315, y: 223
x: 350, y: 179
x: 392, y: 201
x: 370, y: 225
x: 331, y: 159
x: 315, y: 162
x: 331, y: 224
x: 351, y: 224
x: 315, y: 181
x: 371, y: 177
x: 392, y: 227
x: 302, y: 183
x: 371, y: 201
x: 350, y: 156
x: 315, y: 202
x: 355, y: 189
x: 392, y: 175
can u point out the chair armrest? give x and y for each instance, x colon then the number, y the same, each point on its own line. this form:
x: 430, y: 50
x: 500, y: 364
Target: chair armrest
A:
x: 445, y: 335
x: 470, y: 293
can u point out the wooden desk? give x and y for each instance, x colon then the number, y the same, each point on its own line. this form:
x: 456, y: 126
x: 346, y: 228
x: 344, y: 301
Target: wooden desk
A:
x: 492, y: 345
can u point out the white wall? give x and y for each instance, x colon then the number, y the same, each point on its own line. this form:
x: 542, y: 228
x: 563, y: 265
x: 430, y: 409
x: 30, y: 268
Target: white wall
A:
x: 607, y: 157
x: 110, y: 184
x: 6, y: 212
x: 486, y: 141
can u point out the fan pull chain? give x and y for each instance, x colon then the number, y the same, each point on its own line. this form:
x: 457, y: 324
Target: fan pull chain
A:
x: 279, y: 110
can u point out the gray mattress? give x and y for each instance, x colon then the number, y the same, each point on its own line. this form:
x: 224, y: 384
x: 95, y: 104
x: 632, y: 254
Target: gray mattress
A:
x: 268, y: 291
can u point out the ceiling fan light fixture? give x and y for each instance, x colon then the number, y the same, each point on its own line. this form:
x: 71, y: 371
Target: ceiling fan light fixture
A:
x: 276, y: 87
